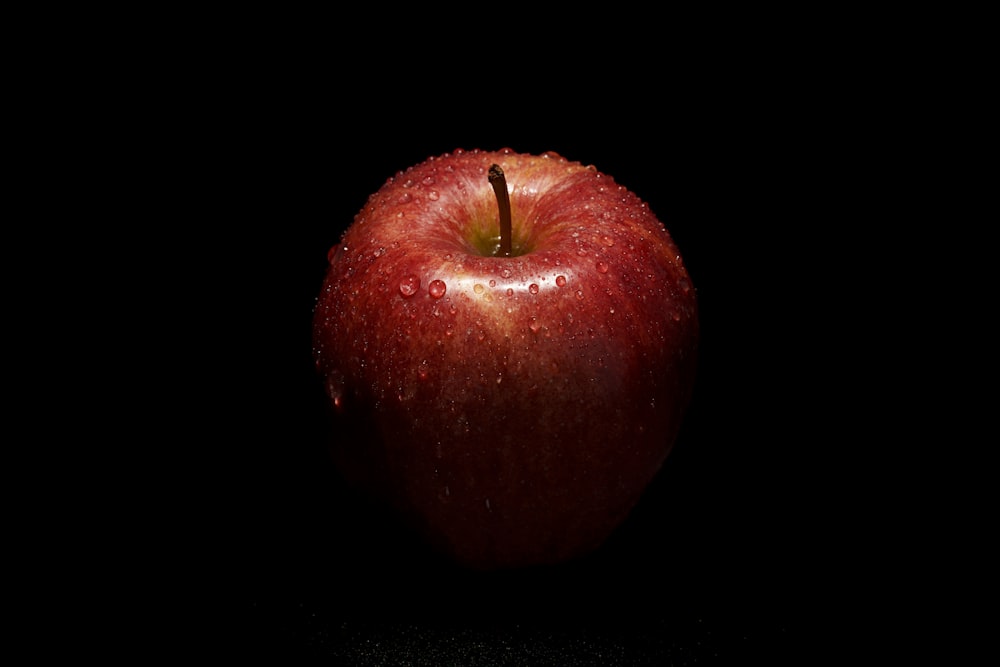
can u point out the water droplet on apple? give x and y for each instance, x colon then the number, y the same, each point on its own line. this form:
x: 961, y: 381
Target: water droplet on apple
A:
x: 433, y: 195
x: 335, y: 389
x: 579, y: 295
x: 477, y: 288
x: 493, y: 283
x: 405, y: 198
x: 561, y: 281
x: 428, y: 180
x: 505, y: 273
x: 534, y: 325
x: 437, y: 289
x: 608, y: 241
x: 409, y: 285
x: 602, y: 266
x: 378, y: 252
x: 335, y: 253
x: 510, y: 291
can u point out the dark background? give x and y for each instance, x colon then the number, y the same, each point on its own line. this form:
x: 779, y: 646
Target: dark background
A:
x: 735, y: 552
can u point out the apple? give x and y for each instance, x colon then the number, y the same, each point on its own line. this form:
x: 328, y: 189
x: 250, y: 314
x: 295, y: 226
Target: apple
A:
x: 508, y: 343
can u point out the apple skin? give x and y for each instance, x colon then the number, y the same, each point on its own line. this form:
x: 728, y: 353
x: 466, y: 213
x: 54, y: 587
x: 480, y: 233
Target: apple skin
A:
x: 513, y: 408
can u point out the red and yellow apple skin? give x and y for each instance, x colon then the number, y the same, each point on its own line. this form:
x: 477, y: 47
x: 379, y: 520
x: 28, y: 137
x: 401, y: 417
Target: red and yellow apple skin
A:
x: 514, y: 408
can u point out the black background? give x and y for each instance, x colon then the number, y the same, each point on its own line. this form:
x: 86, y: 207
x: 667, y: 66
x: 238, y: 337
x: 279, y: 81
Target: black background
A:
x: 735, y: 552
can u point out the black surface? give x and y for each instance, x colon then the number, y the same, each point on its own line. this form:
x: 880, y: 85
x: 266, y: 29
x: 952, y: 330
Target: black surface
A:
x: 735, y: 552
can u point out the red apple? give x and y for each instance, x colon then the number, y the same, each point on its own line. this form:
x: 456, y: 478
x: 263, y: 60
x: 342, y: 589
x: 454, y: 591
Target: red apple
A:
x: 514, y: 404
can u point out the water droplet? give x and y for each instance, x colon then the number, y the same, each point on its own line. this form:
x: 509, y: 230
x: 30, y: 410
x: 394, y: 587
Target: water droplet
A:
x: 477, y: 288
x: 335, y: 389
x: 433, y: 195
x: 561, y: 281
x: 579, y: 295
x: 378, y: 252
x: 534, y: 325
x: 510, y: 291
x: 428, y: 180
x: 409, y: 285
x: 405, y: 198
x: 437, y: 288
x: 602, y: 266
x: 493, y: 283
x: 533, y: 288
x: 505, y: 273
x: 608, y: 241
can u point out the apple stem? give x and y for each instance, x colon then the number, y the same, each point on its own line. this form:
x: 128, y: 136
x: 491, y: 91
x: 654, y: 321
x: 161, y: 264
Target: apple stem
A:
x: 499, y: 183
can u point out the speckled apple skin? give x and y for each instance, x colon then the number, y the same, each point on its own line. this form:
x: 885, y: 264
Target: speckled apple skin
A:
x: 513, y: 408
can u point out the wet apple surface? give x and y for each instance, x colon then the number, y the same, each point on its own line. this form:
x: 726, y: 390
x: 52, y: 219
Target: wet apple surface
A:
x: 513, y: 394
